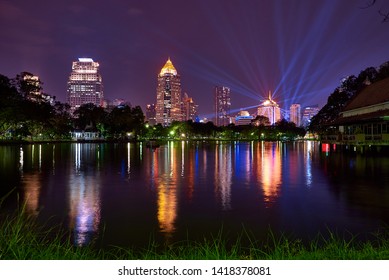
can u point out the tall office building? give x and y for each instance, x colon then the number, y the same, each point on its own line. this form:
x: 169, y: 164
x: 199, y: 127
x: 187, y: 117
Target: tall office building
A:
x: 31, y: 87
x: 85, y: 84
x: 295, y: 114
x: 308, y: 113
x: 270, y: 109
x: 150, y: 114
x: 168, y: 107
x: 222, y: 105
x: 189, y: 108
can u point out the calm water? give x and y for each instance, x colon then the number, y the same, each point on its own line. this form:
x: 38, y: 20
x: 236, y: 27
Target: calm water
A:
x: 127, y: 194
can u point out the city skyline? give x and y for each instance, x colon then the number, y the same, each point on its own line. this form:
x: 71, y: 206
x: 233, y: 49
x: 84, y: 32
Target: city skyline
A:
x: 299, y: 50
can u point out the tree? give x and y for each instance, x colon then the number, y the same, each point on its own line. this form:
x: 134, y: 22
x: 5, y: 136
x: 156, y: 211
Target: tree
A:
x: 89, y: 117
x: 10, y: 111
x: 342, y: 95
x: 260, y: 121
x: 60, y: 122
x: 371, y: 3
x: 28, y: 85
x: 123, y: 120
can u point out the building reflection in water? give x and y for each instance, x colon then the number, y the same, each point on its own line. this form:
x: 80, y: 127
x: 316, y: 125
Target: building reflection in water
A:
x: 21, y: 160
x: 84, y: 195
x: 32, y: 181
x: 189, y: 175
x: 129, y: 160
x: 165, y: 177
x: 269, y: 165
x: 308, y: 163
x: 223, y: 174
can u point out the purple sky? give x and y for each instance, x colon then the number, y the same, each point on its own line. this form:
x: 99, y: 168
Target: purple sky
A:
x: 298, y: 49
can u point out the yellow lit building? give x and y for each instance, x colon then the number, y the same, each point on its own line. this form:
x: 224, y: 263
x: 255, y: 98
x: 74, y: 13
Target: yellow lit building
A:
x: 168, y: 106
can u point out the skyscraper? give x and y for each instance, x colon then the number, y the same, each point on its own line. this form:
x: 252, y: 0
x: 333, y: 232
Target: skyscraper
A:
x: 270, y: 109
x: 85, y: 84
x: 222, y: 105
x: 295, y: 114
x: 189, y: 108
x: 150, y: 114
x: 168, y: 107
x: 308, y: 113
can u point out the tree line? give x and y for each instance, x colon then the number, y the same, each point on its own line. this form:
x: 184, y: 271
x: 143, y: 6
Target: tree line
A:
x: 26, y: 114
x: 342, y: 95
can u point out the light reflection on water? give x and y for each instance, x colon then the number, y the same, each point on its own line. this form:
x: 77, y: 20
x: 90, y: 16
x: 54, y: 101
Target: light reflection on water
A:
x: 223, y: 174
x: 84, y: 195
x: 166, y: 181
x: 196, y: 187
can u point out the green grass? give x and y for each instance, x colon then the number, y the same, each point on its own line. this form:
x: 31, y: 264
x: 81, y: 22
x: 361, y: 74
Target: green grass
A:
x: 22, y: 239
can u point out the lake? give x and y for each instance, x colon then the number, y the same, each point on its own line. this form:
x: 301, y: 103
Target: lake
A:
x: 128, y: 194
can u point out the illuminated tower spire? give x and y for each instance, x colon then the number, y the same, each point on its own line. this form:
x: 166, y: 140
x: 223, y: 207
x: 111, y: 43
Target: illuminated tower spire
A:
x: 168, y: 106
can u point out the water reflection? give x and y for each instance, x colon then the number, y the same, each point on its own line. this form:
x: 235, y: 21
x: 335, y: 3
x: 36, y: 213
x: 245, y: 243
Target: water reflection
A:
x: 171, y: 191
x: 84, y: 194
x: 21, y: 160
x: 308, y: 164
x: 223, y: 174
x: 32, y: 189
x: 165, y: 177
x: 271, y: 172
x: 32, y: 180
x: 128, y: 160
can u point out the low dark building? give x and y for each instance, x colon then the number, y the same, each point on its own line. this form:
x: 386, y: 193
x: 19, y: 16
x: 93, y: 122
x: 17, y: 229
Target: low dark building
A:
x: 365, y: 120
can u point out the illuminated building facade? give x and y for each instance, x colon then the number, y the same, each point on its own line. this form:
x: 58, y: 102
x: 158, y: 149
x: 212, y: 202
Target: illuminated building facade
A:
x: 31, y: 87
x: 85, y: 84
x: 295, y: 114
x: 150, y: 114
x: 189, y: 108
x: 270, y: 109
x: 222, y: 105
x: 243, y: 118
x: 308, y: 113
x: 168, y: 107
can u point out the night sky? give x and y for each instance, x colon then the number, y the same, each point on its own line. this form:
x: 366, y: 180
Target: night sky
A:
x: 298, y: 49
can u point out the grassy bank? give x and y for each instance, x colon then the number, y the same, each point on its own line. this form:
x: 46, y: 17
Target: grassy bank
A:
x: 22, y: 239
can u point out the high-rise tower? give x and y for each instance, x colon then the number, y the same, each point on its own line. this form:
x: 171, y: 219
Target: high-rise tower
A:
x: 168, y: 107
x: 189, y: 108
x: 295, y: 114
x: 85, y: 84
x: 222, y: 105
x: 270, y: 109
